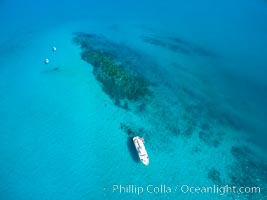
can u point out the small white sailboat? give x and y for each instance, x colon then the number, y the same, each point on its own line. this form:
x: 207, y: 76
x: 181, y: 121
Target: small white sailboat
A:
x: 141, y: 150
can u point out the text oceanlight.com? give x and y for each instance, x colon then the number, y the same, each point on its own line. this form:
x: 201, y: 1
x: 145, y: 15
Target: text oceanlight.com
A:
x: 185, y: 189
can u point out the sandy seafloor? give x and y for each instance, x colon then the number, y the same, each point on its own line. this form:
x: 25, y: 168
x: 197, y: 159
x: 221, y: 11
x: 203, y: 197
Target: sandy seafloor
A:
x: 62, y: 137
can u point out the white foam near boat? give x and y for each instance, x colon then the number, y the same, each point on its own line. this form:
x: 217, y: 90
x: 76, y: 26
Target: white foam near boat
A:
x: 141, y: 150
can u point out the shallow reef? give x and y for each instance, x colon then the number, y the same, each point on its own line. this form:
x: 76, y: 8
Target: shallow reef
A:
x: 190, y: 127
x: 248, y: 170
x: 223, y: 117
x: 130, y: 130
x: 177, y: 45
x: 127, y: 129
x: 205, y: 127
x: 211, y: 138
x: 191, y: 116
x: 215, y: 176
x: 114, y: 67
x: 172, y: 46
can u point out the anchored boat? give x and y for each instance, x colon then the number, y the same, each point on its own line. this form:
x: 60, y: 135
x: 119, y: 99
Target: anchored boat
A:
x: 141, y: 150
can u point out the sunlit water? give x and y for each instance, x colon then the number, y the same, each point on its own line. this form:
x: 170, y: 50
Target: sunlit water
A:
x: 63, y: 137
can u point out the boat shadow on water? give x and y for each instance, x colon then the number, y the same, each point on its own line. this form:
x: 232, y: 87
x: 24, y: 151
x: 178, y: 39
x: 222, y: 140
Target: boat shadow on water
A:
x: 132, y: 149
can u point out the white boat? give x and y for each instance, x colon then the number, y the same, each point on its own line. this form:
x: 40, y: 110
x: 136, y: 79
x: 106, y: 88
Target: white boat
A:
x: 141, y: 150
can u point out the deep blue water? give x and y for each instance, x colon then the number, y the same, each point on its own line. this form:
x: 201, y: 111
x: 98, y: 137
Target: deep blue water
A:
x: 64, y: 134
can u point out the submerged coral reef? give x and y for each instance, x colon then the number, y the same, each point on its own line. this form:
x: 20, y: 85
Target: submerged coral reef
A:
x: 248, y: 170
x: 215, y: 176
x: 130, y: 130
x: 113, y: 69
x: 177, y: 45
x: 181, y: 111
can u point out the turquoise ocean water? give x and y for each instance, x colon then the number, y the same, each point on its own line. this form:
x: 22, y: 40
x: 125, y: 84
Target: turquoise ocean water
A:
x: 195, y: 89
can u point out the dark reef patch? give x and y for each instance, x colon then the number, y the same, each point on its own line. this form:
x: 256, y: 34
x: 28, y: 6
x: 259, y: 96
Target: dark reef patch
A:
x: 191, y: 125
x: 215, y: 176
x: 196, y: 149
x: 177, y: 45
x: 248, y: 169
x: 193, y: 94
x: 175, y: 130
x: 194, y: 109
x: 211, y: 138
x: 225, y: 117
x: 114, y: 67
x: 131, y: 131
x: 121, y: 103
x: 191, y: 117
x: 141, y: 108
x: 231, y: 120
x: 127, y: 129
x: 172, y: 46
x: 205, y: 127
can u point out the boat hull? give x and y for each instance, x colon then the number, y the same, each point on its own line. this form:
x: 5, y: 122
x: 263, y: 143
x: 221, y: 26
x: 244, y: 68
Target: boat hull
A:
x: 141, y: 150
